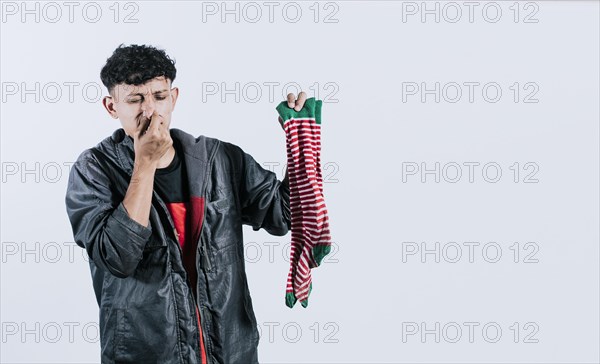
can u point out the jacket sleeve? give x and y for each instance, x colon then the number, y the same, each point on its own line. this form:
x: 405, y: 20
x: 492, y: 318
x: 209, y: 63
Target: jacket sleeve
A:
x: 100, y: 223
x: 265, y: 200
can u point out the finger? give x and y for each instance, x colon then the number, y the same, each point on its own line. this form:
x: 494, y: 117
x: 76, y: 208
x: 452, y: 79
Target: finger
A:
x: 164, y: 131
x: 140, y: 121
x: 143, y: 124
x: 155, y: 122
x: 300, y: 101
x: 291, y: 100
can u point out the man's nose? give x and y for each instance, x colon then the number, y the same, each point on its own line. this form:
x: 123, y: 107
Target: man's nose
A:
x: 148, y: 107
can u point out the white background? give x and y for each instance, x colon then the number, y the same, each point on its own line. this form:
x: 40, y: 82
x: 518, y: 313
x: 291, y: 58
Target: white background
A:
x: 361, y: 58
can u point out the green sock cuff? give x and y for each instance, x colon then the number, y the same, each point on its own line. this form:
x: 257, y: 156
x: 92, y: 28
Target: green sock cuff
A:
x: 311, y: 109
x: 319, y: 252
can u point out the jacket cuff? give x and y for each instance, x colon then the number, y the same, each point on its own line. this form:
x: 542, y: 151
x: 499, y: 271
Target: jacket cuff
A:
x: 121, y: 216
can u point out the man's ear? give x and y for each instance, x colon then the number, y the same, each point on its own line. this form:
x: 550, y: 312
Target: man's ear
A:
x: 109, y: 104
x: 174, y: 95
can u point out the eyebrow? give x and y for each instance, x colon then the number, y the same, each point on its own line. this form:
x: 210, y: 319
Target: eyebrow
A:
x: 154, y: 93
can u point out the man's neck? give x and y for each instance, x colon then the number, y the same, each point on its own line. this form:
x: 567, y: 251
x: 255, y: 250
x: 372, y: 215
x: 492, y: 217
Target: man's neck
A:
x: 167, y: 158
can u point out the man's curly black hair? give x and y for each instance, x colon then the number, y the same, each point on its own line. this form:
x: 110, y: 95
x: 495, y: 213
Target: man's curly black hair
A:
x: 135, y: 65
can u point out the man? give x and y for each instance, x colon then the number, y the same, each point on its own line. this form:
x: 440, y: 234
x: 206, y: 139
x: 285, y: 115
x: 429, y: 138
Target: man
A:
x: 160, y: 214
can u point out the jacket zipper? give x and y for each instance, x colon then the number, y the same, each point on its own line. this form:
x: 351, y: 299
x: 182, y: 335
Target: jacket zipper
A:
x: 175, y: 233
x: 206, y: 266
x: 205, y: 261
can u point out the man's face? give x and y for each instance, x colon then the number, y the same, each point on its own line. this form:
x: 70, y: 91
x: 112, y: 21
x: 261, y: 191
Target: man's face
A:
x: 132, y: 103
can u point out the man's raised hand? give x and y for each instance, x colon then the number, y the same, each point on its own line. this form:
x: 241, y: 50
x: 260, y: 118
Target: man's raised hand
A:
x: 152, y: 139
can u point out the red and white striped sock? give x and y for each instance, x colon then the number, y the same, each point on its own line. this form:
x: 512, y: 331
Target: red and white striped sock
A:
x: 311, y: 239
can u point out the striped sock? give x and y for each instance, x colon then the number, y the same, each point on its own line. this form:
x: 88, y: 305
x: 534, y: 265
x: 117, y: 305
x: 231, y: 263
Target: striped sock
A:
x: 311, y: 239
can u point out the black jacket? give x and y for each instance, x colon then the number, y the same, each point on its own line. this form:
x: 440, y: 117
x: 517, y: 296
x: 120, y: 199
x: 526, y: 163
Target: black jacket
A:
x: 147, y: 312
